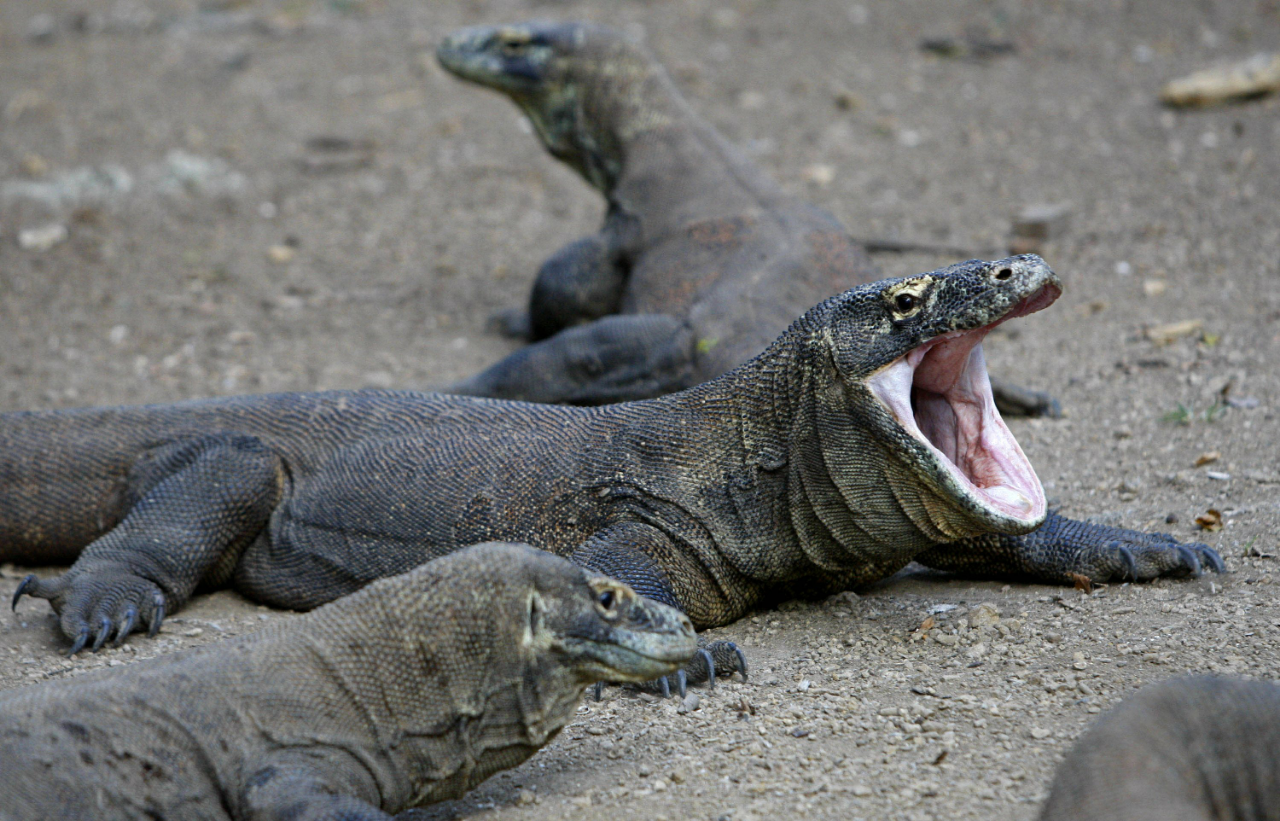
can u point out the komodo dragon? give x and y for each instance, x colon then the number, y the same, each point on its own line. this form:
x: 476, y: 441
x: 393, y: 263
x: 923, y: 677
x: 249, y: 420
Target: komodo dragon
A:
x: 702, y: 260
x: 413, y: 690
x: 1190, y: 749
x: 861, y: 439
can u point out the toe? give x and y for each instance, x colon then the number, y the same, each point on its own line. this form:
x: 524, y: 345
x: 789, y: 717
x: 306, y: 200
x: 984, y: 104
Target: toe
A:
x: 104, y: 631
x: 82, y: 637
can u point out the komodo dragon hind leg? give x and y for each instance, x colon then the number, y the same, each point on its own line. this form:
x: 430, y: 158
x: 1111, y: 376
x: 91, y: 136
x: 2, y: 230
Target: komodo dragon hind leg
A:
x: 198, y: 503
x: 614, y: 359
x: 1063, y: 550
x: 626, y: 552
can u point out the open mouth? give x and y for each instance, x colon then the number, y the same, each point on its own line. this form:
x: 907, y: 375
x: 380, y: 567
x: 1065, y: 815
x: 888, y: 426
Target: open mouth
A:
x: 940, y: 394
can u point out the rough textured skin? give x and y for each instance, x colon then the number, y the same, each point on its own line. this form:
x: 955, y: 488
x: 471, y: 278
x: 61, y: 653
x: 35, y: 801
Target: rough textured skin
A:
x: 1190, y: 749
x: 785, y: 477
x: 702, y: 260
x: 411, y: 691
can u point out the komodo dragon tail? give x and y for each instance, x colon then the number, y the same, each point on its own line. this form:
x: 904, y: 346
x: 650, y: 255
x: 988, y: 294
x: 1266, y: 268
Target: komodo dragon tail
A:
x: 61, y: 481
x: 68, y: 476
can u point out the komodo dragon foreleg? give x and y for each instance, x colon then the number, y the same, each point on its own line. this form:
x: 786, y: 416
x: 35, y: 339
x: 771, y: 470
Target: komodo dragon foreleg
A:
x: 196, y: 505
x: 583, y: 281
x: 635, y: 554
x: 1062, y: 550
x: 614, y: 359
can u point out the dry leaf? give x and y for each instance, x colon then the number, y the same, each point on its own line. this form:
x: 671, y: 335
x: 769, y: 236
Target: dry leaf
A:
x: 923, y: 630
x: 1164, y: 334
x: 1210, y: 520
x: 1208, y: 458
x: 1252, y: 77
x: 1082, y: 582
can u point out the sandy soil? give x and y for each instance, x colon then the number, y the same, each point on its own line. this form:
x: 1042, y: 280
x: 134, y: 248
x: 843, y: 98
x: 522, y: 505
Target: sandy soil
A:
x: 213, y: 246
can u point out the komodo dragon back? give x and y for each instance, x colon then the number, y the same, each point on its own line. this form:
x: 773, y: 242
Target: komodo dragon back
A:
x: 1191, y: 749
x: 412, y: 690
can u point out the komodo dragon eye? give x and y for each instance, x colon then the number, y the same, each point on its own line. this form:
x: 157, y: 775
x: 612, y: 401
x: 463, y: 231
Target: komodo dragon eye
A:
x: 607, y: 600
x: 906, y: 303
x: 513, y: 46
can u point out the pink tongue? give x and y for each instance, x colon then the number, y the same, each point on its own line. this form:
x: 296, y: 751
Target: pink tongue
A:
x: 945, y: 361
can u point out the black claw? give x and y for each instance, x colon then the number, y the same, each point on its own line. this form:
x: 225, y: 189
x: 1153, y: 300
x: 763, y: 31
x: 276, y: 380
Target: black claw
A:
x: 599, y: 690
x: 1215, y: 561
x: 156, y: 620
x: 682, y: 683
x: 28, y: 582
x: 1189, y: 559
x: 104, y: 630
x: 666, y: 687
x: 1130, y: 563
x: 126, y: 627
x: 81, y: 639
x: 711, y: 669
x: 742, y: 661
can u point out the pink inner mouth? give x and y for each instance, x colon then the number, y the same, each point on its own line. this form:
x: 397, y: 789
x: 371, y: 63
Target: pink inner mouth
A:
x: 941, y: 395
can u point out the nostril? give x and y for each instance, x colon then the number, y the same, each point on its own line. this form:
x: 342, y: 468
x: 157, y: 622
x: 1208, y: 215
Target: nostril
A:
x: 1004, y: 273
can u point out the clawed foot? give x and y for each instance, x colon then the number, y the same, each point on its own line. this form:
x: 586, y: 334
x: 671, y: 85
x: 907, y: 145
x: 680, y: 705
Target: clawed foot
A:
x: 1130, y: 555
x: 95, y: 607
x: 715, y: 658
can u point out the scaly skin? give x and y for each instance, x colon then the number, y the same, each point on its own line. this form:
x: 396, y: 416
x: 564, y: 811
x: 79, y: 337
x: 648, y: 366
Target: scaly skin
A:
x: 1190, y: 749
x: 702, y: 260
x: 787, y: 476
x: 411, y: 691
x: 408, y: 692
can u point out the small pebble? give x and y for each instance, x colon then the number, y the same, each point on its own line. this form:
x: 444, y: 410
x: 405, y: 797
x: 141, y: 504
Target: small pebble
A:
x: 42, y: 238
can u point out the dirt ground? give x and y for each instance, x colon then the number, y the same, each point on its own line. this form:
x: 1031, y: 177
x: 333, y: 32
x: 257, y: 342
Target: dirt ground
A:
x: 216, y: 198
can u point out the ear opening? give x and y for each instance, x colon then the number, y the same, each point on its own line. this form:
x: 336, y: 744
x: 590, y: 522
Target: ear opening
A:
x: 535, y: 615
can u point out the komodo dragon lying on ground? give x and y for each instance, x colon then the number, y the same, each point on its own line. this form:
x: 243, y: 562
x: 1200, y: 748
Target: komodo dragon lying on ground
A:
x: 411, y: 691
x: 1190, y: 749
x: 702, y: 260
x: 861, y: 439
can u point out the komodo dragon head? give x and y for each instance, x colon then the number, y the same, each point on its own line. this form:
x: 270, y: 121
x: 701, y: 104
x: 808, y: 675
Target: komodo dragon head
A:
x: 901, y: 407
x: 587, y: 89
x: 596, y: 628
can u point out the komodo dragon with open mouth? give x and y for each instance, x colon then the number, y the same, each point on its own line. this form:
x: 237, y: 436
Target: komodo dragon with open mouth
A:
x: 861, y: 439
x: 1197, y: 748
x: 413, y: 690
x: 702, y: 260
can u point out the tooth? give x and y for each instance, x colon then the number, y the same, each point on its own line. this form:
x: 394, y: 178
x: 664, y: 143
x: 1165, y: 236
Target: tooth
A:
x: 1010, y: 497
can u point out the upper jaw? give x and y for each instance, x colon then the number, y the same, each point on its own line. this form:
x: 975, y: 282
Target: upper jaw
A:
x: 939, y: 394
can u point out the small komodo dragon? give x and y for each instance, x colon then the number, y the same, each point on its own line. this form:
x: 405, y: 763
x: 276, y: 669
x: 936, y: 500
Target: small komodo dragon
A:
x: 702, y: 260
x: 861, y: 439
x: 1190, y: 749
x: 413, y: 690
